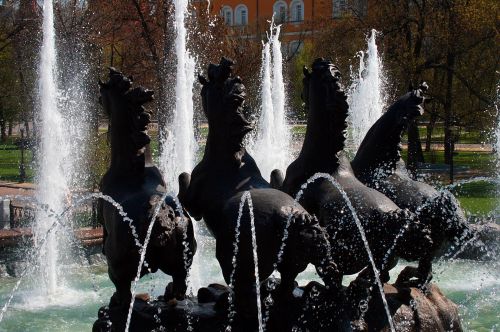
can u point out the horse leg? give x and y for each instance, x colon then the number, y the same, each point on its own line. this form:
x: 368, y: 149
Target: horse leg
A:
x: 424, y: 269
x: 122, y: 295
x: 178, y: 288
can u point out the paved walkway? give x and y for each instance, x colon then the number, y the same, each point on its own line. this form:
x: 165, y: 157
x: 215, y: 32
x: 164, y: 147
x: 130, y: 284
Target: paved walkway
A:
x: 12, y: 237
x: 8, y: 188
x: 459, y: 147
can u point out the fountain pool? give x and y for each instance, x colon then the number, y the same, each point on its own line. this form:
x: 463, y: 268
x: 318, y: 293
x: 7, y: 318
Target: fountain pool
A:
x: 474, y: 286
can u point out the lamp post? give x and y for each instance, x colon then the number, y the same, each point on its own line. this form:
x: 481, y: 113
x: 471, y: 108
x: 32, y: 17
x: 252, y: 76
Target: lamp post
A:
x: 22, y: 167
x: 453, y: 138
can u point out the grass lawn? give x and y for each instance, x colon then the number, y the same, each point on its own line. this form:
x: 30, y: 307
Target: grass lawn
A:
x: 10, y: 158
x: 478, y: 160
x: 478, y: 198
x: 479, y: 205
x: 465, y: 136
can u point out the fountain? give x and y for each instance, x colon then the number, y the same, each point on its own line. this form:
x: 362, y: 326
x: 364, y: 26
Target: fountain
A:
x: 54, y: 151
x: 258, y: 252
x: 366, y: 93
x: 271, y: 144
x: 134, y: 182
x: 179, y: 145
x: 178, y: 142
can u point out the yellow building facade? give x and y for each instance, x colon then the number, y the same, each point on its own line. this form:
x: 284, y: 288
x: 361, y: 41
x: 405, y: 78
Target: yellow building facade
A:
x: 298, y: 18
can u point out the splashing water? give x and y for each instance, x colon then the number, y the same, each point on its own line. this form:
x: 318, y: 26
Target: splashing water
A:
x: 245, y: 198
x: 179, y: 144
x: 57, y: 223
x: 497, y: 129
x: 255, y: 263
x: 143, y: 257
x: 361, y: 230
x: 271, y: 148
x: 497, y: 141
x: 365, y: 95
x: 231, y: 311
x: 54, y: 151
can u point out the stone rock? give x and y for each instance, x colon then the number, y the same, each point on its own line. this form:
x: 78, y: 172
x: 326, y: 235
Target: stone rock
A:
x: 97, y: 259
x: 3, y: 271
x: 487, y: 246
x: 312, y: 308
x: 212, y: 293
x: 414, y: 311
x: 15, y: 269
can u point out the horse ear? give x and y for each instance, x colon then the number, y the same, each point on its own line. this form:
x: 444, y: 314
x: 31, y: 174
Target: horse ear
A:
x: 423, y: 86
x: 202, y: 79
x: 306, y: 72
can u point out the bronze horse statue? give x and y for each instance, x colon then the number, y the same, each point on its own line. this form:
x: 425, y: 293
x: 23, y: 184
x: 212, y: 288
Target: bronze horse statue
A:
x: 379, y: 165
x: 214, y: 189
x: 137, y: 185
x: 322, y: 152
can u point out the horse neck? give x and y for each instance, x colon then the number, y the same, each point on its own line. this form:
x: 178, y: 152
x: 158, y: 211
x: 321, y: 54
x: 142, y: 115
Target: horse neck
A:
x: 124, y: 161
x: 324, y: 138
x: 381, y: 147
x: 217, y: 150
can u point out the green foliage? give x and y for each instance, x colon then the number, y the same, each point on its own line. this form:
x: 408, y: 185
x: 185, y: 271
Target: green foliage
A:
x: 10, y: 159
x: 482, y: 206
x: 99, y: 159
x: 482, y: 189
x: 303, y: 58
x: 479, y: 161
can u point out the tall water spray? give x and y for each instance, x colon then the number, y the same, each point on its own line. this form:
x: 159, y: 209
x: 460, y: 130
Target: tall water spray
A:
x: 497, y: 129
x: 366, y: 101
x: 271, y: 146
x: 52, y: 180
x: 497, y: 146
x: 179, y: 143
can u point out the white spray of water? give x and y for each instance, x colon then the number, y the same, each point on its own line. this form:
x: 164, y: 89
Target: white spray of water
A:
x: 271, y: 147
x: 497, y: 145
x: 179, y: 143
x: 497, y: 129
x: 365, y: 99
x: 54, y: 151
x: 245, y: 198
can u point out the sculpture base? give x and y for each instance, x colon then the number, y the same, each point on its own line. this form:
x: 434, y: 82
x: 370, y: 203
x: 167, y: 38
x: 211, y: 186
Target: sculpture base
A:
x: 312, y: 308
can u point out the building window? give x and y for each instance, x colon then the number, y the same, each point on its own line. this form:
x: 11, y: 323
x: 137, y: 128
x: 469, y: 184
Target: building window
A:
x: 227, y: 15
x: 295, y: 47
x: 241, y: 15
x: 297, y: 11
x: 280, y: 9
x: 339, y: 8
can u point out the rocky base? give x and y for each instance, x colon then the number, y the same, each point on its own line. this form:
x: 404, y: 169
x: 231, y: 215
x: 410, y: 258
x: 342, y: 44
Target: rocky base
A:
x: 312, y: 308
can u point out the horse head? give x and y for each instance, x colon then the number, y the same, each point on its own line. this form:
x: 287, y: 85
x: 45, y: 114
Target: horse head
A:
x: 410, y: 105
x: 381, y: 147
x: 223, y: 100
x: 128, y: 120
x: 326, y: 107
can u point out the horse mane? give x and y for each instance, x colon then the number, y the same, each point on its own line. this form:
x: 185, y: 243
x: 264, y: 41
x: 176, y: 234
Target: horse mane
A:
x: 327, y: 110
x: 223, y: 99
x: 381, y: 148
x: 128, y: 123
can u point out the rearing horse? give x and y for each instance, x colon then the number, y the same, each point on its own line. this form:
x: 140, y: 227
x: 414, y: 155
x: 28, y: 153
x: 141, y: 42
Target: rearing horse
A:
x: 137, y: 185
x: 217, y: 183
x: 380, y: 217
x: 379, y: 165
